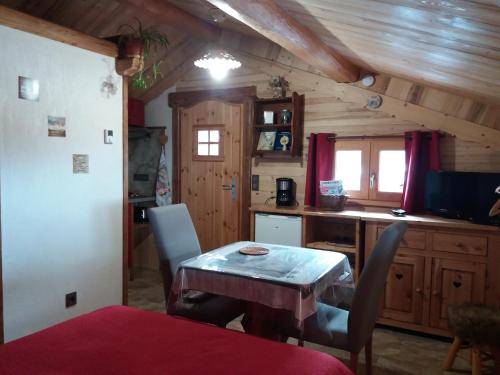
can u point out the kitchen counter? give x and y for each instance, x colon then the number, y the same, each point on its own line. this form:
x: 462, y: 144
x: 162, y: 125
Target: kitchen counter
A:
x: 373, y: 215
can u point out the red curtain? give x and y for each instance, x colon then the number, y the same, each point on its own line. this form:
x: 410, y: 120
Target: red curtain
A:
x: 422, y: 156
x: 319, y: 165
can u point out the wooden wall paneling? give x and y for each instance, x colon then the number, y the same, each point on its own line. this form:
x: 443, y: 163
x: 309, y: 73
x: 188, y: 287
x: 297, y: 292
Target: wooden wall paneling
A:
x: 326, y: 112
x: 24, y: 22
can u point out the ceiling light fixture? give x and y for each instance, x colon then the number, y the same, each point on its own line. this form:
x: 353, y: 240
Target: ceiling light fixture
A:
x: 218, y: 63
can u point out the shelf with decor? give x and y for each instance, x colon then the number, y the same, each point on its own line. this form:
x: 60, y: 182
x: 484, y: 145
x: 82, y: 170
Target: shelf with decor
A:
x: 278, y: 128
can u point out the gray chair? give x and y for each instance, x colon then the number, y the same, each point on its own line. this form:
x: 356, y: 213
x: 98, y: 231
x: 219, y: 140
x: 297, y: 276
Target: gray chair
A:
x: 352, y: 330
x: 176, y: 241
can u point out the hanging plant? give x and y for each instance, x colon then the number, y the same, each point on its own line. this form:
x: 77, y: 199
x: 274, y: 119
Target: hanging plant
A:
x: 136, y: 41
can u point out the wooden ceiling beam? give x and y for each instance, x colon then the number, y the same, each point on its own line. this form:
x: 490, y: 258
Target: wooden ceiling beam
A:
x: 24, y: 22
x: 176, y: 17
x: 267, y: 18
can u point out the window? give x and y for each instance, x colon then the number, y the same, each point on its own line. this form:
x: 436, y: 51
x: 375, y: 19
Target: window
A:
x: 207, y: 143
x: 372, y: 169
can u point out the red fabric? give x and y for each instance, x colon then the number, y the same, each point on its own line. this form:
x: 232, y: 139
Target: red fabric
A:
x: 136, y: 112
x: 319, y: 165
x: 422, y: 156
x: 122, y: 340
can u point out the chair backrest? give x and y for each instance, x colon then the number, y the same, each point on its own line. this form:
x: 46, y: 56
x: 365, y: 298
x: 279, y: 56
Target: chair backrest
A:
x: 175, y: 238
x: 370, y: 288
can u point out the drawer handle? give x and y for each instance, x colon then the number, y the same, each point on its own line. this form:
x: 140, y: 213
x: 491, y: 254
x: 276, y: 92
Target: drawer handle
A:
x: 418, y: 290
x: 457, y: 284
x: 399, y: 276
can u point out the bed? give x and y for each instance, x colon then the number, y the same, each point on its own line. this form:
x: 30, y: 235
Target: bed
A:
x: 123, y: 340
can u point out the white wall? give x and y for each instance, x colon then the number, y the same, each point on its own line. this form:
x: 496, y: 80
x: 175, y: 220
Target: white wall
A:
x: 61, y: 232
x: 159, y: 114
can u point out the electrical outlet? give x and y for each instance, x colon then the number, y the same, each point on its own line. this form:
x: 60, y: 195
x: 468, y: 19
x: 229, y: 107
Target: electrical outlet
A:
x: 255, y: 182
x: 70, y: 299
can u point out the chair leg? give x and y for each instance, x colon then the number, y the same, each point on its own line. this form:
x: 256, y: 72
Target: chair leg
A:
x: 300, y: 342
x: 476, y: 360
x: 452, y: 353
x: 354, y: 362
x: 368, y: 356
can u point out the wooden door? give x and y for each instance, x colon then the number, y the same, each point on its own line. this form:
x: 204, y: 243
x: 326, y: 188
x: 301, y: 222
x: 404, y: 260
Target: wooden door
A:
x: 454, y: 282
x: 211, y: 162
x: 404, y: 290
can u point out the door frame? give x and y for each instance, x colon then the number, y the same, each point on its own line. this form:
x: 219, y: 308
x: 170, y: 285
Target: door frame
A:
x: 240, y: 95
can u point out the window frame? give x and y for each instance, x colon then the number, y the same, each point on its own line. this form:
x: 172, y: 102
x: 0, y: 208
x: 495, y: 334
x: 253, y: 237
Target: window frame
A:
x: 195, y: 130
x: 370, y: 151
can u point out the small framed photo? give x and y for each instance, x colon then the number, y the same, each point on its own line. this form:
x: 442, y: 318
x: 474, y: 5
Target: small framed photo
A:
x: 57, y: 126
x: 266, y: 141
x: 268, y: 117
x: 29, y: 89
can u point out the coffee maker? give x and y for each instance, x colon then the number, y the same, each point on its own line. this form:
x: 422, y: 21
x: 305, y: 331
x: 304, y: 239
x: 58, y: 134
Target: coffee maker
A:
x: 285, y: 195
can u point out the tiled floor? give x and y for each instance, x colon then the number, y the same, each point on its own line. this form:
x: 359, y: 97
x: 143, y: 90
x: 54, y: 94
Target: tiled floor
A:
x: 395, y: 352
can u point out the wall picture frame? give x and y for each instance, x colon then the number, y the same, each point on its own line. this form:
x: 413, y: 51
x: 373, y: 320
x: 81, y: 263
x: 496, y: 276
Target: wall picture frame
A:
x: 268, y: 117
x: 266, y: 141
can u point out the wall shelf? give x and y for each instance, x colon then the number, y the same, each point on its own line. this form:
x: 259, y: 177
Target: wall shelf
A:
x: 294, y: 104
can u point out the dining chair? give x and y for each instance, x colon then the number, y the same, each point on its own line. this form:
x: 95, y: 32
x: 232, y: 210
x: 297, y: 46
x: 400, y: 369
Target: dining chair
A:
x: 352, y: 330
x: 176, y: 241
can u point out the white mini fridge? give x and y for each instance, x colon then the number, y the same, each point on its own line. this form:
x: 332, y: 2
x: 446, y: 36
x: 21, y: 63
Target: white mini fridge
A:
x: 278, y: 229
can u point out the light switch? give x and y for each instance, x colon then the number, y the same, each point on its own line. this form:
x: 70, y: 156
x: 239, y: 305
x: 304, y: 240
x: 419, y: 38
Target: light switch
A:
x: 108, y: 137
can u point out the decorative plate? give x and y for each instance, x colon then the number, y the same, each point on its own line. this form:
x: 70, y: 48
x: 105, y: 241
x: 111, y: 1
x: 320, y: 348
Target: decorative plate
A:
x: 254, y: 250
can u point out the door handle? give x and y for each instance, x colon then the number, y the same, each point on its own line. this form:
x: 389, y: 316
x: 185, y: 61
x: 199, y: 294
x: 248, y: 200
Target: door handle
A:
x: 231, y: 187
x: 372, y: 181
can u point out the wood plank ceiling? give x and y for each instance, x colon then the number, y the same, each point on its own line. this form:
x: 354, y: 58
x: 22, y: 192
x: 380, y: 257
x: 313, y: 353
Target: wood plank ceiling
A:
x: 452, y: 44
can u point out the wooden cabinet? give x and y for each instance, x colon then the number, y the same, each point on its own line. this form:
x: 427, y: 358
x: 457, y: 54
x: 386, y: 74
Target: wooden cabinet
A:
x: 335, y: 234
x: 274, y: 127
x: 435, y: 267
x: 404, y: 290
x: 454, y: 282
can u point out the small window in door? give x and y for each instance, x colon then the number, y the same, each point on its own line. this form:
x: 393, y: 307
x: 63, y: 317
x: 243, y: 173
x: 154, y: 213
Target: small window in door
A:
x: 207, y: 143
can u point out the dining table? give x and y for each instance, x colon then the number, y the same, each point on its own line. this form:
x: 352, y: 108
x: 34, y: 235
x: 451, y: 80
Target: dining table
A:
x: 283, y: 281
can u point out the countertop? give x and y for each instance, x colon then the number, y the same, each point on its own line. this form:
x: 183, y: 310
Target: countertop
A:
x: 374, y: 215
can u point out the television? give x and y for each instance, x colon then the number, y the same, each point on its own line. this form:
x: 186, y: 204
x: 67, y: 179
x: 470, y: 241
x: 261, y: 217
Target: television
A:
x: 462, y: 195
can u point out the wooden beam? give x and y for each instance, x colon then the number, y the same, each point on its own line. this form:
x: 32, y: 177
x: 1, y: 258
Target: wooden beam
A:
x: 177, y: 18
x: 274, y: 23
x: 397, y: 108
x: 24, y: 22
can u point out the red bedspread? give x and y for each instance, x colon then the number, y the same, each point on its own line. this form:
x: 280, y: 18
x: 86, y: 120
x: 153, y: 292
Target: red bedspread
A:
x: 122, y: 340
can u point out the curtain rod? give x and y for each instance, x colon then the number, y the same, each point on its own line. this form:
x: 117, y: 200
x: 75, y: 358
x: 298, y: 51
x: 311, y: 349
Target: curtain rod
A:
x: 347, y: 137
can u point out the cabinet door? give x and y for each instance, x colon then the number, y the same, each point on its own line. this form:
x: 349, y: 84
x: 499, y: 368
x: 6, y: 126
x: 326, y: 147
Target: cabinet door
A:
x: 454, y: 282
x: 403, y: 297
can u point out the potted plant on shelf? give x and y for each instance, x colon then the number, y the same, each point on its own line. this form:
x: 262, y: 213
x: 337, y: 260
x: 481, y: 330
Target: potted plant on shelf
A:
x: 279, y: 85
x: 136, y: 41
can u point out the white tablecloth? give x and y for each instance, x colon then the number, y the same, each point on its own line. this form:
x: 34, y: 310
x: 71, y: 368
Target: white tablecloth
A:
x: 289, y: 278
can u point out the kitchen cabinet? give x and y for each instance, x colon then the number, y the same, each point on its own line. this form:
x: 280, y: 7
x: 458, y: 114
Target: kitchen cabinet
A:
x: 436, y: 267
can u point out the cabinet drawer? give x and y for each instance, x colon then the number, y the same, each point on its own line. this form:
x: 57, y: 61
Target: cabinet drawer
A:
x: 413, y: 239
x: 453, y: 243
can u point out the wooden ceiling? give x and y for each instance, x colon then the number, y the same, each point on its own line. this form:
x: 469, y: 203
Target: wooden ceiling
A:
x: 452, y: 44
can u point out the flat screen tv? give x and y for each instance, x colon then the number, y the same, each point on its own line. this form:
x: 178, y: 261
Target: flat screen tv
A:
x: 462, y: 195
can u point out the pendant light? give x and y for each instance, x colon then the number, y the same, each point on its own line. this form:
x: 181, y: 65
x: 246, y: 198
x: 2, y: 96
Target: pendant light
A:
x: 218, y: 63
